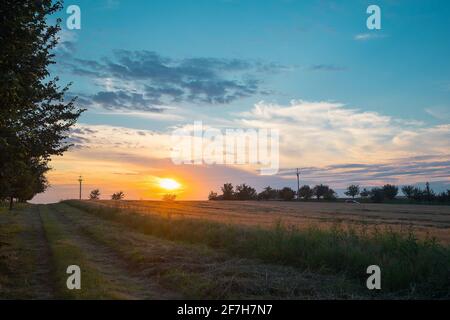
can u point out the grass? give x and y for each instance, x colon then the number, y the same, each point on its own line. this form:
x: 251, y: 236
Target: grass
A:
x: 15, y: 266
x: 196, y: 271
x: 410, y: 267
x: 65, y: 253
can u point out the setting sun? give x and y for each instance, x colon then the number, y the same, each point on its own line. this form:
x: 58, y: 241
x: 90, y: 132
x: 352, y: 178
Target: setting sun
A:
x: 169, y: 184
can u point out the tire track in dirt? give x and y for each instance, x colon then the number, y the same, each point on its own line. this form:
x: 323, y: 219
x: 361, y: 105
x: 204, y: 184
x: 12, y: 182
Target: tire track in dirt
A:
x: 109, y: 264
x: 35, y: 241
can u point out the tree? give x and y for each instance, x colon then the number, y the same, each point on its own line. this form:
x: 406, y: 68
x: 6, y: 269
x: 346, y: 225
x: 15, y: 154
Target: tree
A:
x: 390, y: 191
x: 22, y: 179
x: 444, y: 196
x: 169, y: 197
x: 320, y: 191
x: 429, y: 193
x: 377, y: 194
x: 227, y: 191
x: 118, y: 196
x: 364, y: 193
x: 329, y: 194
x: 408, y: 191
x: 305, y: 192
x: 33, y: 181
x: 287, y: 194
x: 94, y: 195
x: 213, y: 196
x: 245, y: 192
x: 418, y: 194
x: 352, y: 190
x: 267, y: 194
x: 34, y: 116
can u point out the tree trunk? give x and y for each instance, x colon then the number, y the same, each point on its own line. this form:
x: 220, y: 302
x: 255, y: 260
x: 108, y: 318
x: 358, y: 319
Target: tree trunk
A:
x: 11, y: 199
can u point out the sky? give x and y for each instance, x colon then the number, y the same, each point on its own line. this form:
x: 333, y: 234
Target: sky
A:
x: 351, y: 105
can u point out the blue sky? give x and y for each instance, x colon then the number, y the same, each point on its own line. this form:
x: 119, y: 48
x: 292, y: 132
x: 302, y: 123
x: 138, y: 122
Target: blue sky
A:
x: 245, y: 52
x: 401, y: 73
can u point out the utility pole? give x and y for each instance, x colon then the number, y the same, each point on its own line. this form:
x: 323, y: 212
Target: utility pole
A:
x: 298, y: 184
x: 80, y: 179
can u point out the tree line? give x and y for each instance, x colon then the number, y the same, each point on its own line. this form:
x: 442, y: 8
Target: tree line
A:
x: 388, y: 192
x: 34, y: 117
x: 95, y: 195
x: 246, y: 192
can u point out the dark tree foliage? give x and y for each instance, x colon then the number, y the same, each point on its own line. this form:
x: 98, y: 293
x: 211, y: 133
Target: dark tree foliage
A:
x: 417, y: 194
x: 330, y: 194
x: 322, y: 191
x: 287, y: 194
x: 227, y: 191
x: 118, y: 196
x: 94, y: 195
x: 352, y: 191
x: 444, y: 196
x: 408, y: 191
x: 429, y: 193
x: 268, y: 194
x: 305, y: 192
x: 245, y: 192
x: 364, y: 193
x: 169, y: 197
x: 213, y: 196
x: 390, y: 191
x: 34, y: 118
x: 377, y: 194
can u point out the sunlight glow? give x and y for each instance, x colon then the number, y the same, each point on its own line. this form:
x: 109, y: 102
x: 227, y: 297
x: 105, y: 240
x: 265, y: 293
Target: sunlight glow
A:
x: 169, y: 184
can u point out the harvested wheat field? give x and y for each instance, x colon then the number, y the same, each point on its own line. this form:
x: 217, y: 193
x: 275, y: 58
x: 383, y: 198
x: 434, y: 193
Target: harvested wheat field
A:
x: 223, y: 250
x: 431, y: 220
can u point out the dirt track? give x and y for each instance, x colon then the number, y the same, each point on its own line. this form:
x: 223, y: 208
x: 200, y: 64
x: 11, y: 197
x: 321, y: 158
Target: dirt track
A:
x: 124, y: 264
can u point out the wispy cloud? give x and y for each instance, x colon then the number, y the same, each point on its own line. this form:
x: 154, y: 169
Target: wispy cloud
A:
x: 439, y: 112
x: 368, y: 36
x: 327, y: 67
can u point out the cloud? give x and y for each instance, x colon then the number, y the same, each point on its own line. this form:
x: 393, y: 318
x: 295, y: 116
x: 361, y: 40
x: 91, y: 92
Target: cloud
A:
x: 327, y: 67
x: 67, y: 42
x: 440, y: 112
x: 398, y: 171
x: 328, y: 136
x: 331, y: 143
x: 313, y: 134
x: 368, y: 36
x: 125, y: 100
x: 321, y: 134
x: 144, y: 80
